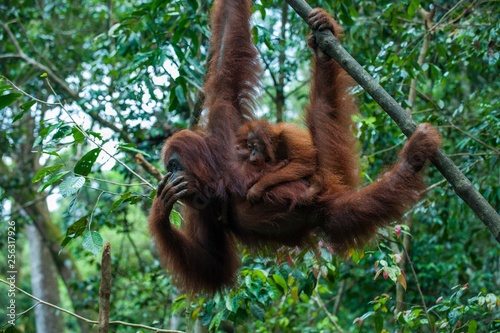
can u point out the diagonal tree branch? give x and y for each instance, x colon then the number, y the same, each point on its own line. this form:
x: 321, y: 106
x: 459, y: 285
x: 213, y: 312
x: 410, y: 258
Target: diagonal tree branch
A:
x: 462, y: 186
x: 62, y: 83
x: 34, y: 63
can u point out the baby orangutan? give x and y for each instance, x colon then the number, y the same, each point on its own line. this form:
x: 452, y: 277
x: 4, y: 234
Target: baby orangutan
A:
x: 278, y: 162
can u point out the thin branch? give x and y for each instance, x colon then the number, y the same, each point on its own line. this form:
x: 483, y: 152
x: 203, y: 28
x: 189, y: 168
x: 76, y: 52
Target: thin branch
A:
x: 107, y: 181
x: 386, y: 149
x: 95, y: 142
x: 474, y: 138
x: 38, y: 65
x: 34, y: 48
x: 123, y: 133
x: 116, y: 322
x: 461, y: 184
x: 25, y: 93
x: 440, y: 110
x: 338, y: 300
x: 473, y: 154
x: 444, y: 180
x: 93, y: 210
x: 318, y: 300
x: 10, y: 55
x: 427, y: 16
x: 489, y: 172
x: 300, y: 86
x: 418, y: 285
x: 101, y: 190
x: 268, y: 68
x: 148, y: 167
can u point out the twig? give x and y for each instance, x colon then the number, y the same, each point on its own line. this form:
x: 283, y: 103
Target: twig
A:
x: 418, y: 285
x: 41, y: 67
x: 318, y: 300
x: 338, y: 300
x: 386, y: 149
x: 116, y: 322
x: 93, y: 141
x: 123, y: 133
x: 328, y: 314
x: 107, y: 181
x: 25, y: 93
x: 93, y: 210
x: 437, y: 108
x: 148, y: 167
x: 427, y: 17
x: 444, y: 180
x: 474, y: 154
x: 473, y: 138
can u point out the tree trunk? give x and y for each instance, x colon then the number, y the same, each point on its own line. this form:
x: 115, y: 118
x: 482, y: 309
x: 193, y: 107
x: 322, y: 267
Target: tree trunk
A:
x: 44, y: 282
x: 280, y: 89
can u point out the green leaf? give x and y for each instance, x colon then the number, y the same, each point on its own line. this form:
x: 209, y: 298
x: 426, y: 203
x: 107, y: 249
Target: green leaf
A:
x: 216, y: 321
x: 193, y: 4
x: 179, y: 93
x: 366, y: 315
x: 77, y: 135
x: 5, y: 87
x: 62, y: 132
x: 258, y: 312
x: 38, y: 141
x: 11, y: 329
x: 72, y: 203
x: 345, y: 15
x: 71, y: 185
x: 179, y: 303
x: 75, y: 230
x: 441, y: 104
x: 24, y: 108
x: 262, y: 10
x: 52, y: 180
x: 47, y: 130
x: 175, y: 218
x: 131, y: 147
x: 8, y: 99
x: 118, y: 202
x: 229, y: 303
x: 78, y: 227
x: 260, y: 275
x: 355, y: 257
x: 411, y: 9
x: 92, y: 242
x: 95, y: 135
x: 84, y: 165
x: 472, y: 327
x: 453, y: 316
x: 65, y: 242
x: 280, y: 282
x: 379, y: 323
x: 45, y: 171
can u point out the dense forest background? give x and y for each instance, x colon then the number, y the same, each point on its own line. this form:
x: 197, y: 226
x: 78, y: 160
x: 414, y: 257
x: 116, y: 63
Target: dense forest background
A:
x: 86, y: 85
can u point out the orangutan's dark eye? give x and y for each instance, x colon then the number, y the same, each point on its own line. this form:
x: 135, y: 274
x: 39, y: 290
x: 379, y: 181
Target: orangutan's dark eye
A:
x: 172, y: 166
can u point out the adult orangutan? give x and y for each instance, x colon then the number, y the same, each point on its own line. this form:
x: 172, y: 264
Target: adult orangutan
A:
x: 205, y: 173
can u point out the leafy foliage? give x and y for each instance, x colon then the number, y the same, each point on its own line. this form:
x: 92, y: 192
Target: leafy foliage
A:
x: 124, y: 78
